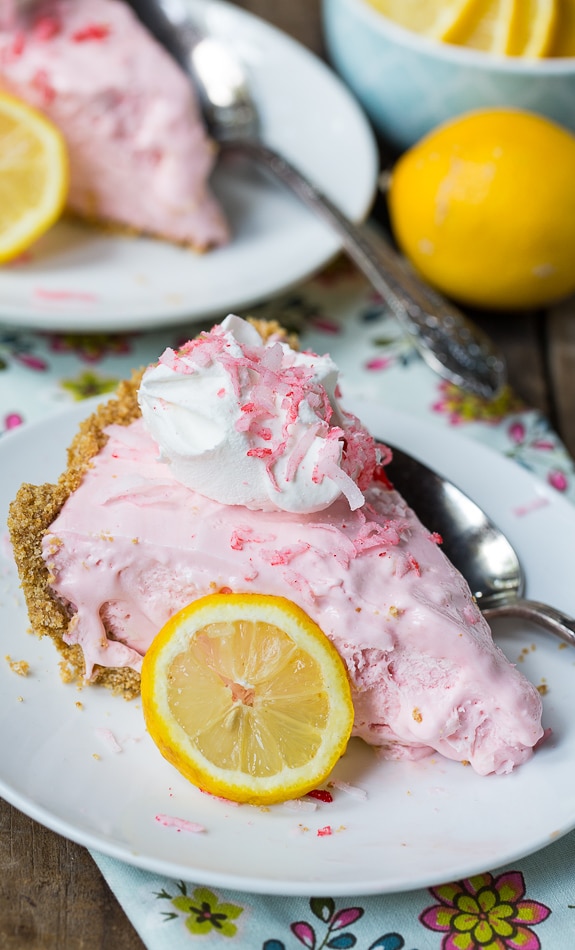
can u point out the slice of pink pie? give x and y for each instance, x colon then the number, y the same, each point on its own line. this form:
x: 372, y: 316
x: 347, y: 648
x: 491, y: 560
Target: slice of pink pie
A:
x: 139, y: 154
x: 230, y: 466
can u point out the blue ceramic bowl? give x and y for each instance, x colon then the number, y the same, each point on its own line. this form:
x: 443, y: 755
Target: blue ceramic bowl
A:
x: 408, y: 84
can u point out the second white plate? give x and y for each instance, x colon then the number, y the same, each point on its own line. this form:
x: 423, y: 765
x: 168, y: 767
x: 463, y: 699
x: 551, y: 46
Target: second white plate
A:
x: 82, y: 764
x: 81, y: 279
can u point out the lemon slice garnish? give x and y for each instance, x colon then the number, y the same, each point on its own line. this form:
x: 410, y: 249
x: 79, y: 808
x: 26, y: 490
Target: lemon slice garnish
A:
x: 33, y: 176
x: 247, y: 698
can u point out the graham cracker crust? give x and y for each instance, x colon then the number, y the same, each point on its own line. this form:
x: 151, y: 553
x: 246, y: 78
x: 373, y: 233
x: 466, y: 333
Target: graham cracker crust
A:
x: 36, y: 506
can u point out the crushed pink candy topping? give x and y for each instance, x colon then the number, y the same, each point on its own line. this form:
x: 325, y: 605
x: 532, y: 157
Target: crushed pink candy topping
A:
x: 92, y: 31
x: 46, y: 28
x: 266, y: 374
x: 324, y: 832
x: 321, y: 794
x: 179, y: 824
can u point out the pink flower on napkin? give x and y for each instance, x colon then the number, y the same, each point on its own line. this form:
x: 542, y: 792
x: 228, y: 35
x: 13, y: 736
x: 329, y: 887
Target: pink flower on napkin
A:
x: 13, y: 420
x: 485, y: 913
x: 378, y: 362
x: 558, y: 480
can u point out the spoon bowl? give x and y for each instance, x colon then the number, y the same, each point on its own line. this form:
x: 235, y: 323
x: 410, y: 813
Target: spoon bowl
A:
x: 474, y: 545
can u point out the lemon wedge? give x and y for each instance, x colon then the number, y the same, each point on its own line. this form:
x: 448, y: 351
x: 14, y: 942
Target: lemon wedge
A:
x: 247, y: 698
x: 33, y: 176
x: 429, y: 17
x: 564, y: 40
x: 525, y: 28
x: 505, y: 27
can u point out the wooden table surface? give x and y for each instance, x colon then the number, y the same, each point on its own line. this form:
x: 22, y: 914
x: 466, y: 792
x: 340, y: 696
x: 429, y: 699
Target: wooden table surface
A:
x: 52, y: 896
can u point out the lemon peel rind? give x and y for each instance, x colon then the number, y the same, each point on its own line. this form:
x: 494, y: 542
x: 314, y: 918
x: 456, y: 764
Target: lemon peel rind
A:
x: 176, y: 746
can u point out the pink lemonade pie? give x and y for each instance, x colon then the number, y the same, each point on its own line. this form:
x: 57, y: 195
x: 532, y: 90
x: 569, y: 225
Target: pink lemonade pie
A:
x: 230, y: 466
x: 140, y: 157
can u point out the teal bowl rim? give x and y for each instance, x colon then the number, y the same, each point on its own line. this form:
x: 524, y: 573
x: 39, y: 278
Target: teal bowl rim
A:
x: 460, y: 56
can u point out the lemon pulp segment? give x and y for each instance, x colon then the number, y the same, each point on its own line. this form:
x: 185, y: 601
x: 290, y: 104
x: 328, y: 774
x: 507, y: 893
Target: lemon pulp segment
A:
x: 257, y: 703
x: 246, y: 697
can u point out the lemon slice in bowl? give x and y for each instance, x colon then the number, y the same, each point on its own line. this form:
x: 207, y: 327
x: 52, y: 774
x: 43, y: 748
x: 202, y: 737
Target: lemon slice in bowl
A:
x: 247, y: 698
x: 506, y: 27
x: 534, y: 28
x: 429, y: 17
x: 524, y: 28
x: 33, y: 176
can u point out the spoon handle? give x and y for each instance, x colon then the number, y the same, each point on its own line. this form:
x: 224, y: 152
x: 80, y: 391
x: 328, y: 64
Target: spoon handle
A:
x: 542, y: 614
x: 448, y: 341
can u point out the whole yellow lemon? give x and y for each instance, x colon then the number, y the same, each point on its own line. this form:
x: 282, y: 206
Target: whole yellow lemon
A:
x: 484, y: 208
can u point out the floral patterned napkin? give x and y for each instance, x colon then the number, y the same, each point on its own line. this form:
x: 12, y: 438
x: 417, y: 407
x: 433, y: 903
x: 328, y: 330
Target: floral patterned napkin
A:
x: 527, y: 906
x: 337, y: 311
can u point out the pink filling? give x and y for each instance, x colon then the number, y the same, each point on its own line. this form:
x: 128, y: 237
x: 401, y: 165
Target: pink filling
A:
x: 139, y: 154
x: 132, y: 545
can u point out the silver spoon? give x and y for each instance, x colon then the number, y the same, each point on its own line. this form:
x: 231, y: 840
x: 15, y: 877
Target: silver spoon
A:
x: 476, y: 547
x: 448, y: 341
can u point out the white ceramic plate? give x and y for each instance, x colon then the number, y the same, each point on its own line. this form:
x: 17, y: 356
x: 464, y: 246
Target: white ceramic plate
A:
x: 421, y: 823
x: 83, y: 279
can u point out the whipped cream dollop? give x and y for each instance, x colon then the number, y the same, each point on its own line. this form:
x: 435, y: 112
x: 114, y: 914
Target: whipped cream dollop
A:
x: 250, y: 422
